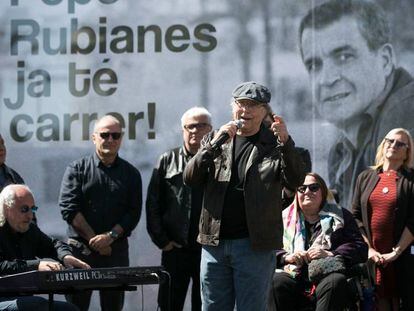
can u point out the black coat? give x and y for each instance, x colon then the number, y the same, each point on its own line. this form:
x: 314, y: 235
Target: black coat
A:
x: 11, y: 175
x: 271, y: 166
x: 20, y: 252
x: 404, y: 217
x: 169, y: 205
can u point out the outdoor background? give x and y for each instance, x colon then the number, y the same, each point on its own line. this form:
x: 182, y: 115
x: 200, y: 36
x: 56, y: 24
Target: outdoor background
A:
x: 256, y: 40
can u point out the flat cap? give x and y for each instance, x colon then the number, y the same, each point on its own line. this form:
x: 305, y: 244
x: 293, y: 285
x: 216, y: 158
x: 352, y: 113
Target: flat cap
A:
x: 253, y: 91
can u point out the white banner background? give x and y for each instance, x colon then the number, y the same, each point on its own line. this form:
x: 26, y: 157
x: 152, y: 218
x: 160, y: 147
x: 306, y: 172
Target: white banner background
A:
x: 255, y: 40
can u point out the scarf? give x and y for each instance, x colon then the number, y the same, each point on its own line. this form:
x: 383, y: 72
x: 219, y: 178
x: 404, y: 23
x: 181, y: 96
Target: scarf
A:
x: 294, y: 233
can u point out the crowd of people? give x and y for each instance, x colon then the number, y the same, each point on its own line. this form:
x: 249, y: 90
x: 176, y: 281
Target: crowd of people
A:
x: 214, y: 207
x: 237, y: 211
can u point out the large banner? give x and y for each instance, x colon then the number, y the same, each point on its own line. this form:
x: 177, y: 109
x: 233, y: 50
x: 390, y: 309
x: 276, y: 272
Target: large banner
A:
x: 65, y: 63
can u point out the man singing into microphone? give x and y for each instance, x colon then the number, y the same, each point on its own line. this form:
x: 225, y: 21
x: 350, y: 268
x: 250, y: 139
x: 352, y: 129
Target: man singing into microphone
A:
x: 241, y: 221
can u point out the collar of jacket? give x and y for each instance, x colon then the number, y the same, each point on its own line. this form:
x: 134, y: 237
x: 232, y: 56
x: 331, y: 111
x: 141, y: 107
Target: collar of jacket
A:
x: 7, y: 171
x: 266, y: 141
x: 97, y: 161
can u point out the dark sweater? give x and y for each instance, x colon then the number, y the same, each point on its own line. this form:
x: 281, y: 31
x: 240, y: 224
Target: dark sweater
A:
x: 20, y: 252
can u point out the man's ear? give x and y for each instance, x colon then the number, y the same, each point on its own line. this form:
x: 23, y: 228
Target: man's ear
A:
x: 387, y: 55
x: 93, y: 136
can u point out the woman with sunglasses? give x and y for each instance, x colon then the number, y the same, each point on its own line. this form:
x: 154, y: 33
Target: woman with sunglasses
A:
x: 315, y: 227
x: 383, y: 206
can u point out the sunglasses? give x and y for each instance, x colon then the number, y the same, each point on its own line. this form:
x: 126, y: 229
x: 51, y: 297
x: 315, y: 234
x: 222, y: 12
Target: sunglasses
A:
x: 115, y: 135
x: 25, y: 209
x: 198, y: 126
x: 312, y: 187
x: 398, y: 144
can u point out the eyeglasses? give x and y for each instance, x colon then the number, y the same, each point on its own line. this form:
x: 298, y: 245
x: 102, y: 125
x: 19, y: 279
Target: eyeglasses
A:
x: 198, y: 126
x: 248, y: 105
x: 398, y: 144
x: 115, y: 135
x: 25, y: 209
x: 312, y: 187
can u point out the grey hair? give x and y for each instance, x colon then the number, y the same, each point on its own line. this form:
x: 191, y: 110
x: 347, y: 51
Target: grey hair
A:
x: 110, y: 117
x: 195, y: 112
x: 8, y: 199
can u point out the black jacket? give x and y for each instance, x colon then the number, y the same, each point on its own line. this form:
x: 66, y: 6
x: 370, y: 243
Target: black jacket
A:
x: 104, y: 195
x: 20, y: 252
x: 270, y: 167
x: 404, y: 212
x: 168, y: 204
x: 404, y: 217
x: 11, y: 175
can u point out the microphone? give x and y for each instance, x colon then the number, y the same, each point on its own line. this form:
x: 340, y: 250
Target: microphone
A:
x: 225, y: 136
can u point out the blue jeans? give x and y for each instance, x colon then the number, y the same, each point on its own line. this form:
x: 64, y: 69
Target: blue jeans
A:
x: 233, y: 272
x: 31, y: 303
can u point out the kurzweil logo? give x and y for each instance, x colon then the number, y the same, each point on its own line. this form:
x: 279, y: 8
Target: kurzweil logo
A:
x: 80, y: 276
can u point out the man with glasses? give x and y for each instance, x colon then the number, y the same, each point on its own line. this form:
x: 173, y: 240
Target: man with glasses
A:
x: 173, y: 212
x: 23, y: 246
x: 7, y: 174
x: 242, y: 168
x: 101, y: 200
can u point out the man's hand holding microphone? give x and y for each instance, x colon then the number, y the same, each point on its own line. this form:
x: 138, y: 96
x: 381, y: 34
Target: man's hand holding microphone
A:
x: 225, y: 133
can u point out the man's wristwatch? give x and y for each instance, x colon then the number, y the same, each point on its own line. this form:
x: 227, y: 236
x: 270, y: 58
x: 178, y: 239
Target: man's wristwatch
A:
x: 113, y: 234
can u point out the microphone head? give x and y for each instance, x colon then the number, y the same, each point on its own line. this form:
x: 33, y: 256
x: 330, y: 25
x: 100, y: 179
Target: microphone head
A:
x: 239, y: 123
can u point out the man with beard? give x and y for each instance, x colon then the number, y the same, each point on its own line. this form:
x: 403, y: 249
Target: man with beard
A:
x: 242, y: 168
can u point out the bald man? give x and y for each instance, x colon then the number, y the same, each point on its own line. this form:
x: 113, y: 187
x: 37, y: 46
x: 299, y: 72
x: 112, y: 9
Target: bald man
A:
x: 101, y: 200
x: 22, y: 243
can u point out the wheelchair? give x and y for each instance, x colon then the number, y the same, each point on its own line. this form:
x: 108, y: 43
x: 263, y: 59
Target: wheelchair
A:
x: 361, y: 294
x: 361, y: 290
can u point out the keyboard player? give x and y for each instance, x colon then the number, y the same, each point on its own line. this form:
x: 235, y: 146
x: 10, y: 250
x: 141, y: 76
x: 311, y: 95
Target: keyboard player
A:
x: 22, y: 243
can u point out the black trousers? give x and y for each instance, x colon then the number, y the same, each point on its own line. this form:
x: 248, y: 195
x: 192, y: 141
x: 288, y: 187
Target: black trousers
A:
x: 109, y: 300
x: 183, y: 265
x: 332, y: 293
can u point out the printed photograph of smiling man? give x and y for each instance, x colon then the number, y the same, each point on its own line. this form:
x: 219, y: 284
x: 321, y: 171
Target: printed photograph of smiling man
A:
x: 356, y: 83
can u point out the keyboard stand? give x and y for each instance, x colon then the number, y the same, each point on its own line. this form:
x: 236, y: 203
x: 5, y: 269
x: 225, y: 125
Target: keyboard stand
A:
x: 126, y: 288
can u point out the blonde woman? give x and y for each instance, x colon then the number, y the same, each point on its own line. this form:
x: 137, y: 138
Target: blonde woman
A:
x: 383, y: 206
